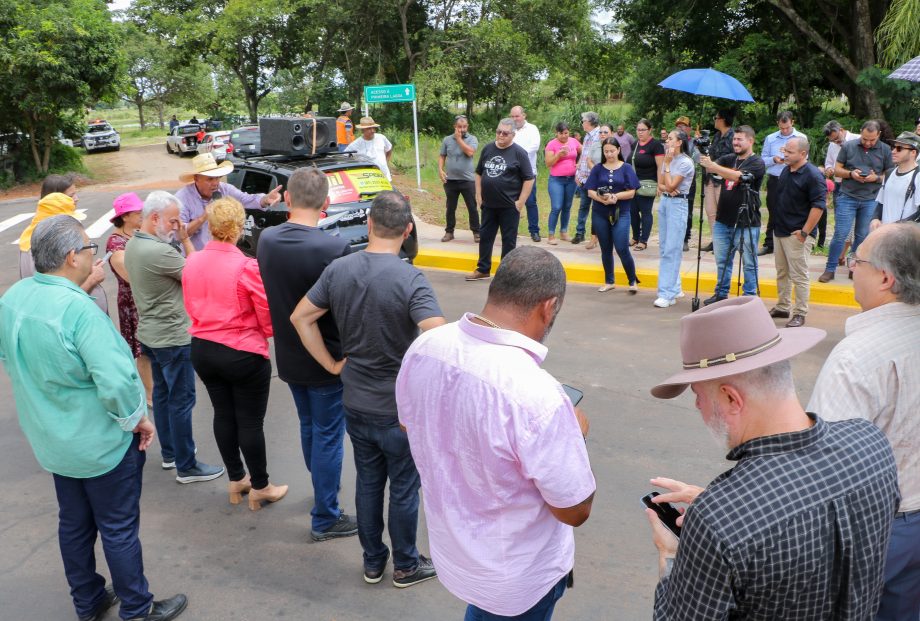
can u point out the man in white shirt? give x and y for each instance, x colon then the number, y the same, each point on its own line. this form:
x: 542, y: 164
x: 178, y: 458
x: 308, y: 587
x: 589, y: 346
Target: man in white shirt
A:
x: 528, y: 136
x: 874, y: 373
x: 898, y: 199
x: 372, y: 145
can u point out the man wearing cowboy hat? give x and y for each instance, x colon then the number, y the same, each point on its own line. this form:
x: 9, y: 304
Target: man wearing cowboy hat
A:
x: 372, y: 145
x: 204, y: 186
x: 344, y: 129
x: 873, y: 374
x: 798, y: 528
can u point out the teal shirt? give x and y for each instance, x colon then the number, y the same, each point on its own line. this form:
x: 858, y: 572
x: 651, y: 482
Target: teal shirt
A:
x: 77, y: 391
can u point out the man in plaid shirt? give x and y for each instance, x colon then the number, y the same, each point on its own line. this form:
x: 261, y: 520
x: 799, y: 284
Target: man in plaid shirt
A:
x: 798, y: 529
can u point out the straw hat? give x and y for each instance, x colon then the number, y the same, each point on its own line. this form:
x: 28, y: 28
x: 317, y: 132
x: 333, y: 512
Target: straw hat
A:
x: 345, y: 107
x: 366, y: 123
x: 682, y: 120
x: 206, y: 165
x: 730, y: 337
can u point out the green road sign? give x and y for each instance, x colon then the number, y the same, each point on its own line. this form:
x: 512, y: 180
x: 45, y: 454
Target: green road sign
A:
x: 389, y: 93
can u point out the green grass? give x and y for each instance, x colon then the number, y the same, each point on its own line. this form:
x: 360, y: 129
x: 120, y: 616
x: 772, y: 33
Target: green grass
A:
x: 126, y: 122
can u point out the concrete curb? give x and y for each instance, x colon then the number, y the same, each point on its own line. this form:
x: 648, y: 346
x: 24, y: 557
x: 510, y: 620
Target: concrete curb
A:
x: 593, y: 274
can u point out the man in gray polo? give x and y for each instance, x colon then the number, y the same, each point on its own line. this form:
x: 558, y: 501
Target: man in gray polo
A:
x: 455, y: 167
x: 155, y: 269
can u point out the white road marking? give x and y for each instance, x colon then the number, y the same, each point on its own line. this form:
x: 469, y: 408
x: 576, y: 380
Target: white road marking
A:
x: 11, y: 222
x: 29, y: 216
x: 100, y: 226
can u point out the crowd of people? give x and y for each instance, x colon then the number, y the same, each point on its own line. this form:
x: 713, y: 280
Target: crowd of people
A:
x: 819, y: 517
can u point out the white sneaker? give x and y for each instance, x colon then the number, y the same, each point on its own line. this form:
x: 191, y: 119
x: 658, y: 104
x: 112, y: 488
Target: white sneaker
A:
x: 663, y: 303
x: 680, y: 295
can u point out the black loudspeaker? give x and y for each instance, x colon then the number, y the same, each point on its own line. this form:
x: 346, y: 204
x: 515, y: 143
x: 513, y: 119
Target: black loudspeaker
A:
x: 301, y: 136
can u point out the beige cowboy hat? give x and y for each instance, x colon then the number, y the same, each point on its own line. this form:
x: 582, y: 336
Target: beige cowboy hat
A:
x: 730, y: 337
x: 206, y: 165
x: 366, y: 123
x: 345, y: 107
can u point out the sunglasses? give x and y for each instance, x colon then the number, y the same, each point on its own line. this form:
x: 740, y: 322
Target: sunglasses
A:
x: 501, y: 132
x: 900, y: 148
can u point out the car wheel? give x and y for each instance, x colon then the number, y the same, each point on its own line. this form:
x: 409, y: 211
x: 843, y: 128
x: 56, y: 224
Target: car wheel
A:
x: 117, y: 147
x: 168, y: 148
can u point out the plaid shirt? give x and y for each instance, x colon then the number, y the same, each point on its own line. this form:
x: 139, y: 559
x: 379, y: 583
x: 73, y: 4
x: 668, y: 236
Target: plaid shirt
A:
x: 582, y: 170
x: 798, y: 529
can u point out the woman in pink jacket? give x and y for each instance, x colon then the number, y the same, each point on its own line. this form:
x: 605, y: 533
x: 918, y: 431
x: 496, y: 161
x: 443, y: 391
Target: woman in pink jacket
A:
x: 226, y: 302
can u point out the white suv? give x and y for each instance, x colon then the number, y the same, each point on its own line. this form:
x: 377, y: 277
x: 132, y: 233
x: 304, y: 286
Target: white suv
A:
x: 100, y: 136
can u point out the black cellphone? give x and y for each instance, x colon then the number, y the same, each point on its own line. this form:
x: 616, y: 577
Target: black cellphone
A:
x: 666, y: 512
x: 574, y: 394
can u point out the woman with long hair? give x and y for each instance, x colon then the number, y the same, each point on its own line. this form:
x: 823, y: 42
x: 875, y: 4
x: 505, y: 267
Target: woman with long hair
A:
x: 677, y: 172
x: 612, y: 187
x: 561, y: 156
x: 645, y: 158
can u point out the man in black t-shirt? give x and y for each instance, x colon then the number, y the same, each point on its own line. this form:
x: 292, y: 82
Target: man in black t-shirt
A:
x: 504, y: 179
x: 292, y: 256
x: 736, y: 228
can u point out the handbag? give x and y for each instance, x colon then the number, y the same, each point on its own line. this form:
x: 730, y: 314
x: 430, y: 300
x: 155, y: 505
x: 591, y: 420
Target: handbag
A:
x: 647, y: 188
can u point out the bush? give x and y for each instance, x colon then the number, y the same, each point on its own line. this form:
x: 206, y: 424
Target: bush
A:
x: 64, y: 159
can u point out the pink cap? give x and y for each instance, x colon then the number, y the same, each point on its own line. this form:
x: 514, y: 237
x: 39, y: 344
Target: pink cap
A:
x: 126, y: 203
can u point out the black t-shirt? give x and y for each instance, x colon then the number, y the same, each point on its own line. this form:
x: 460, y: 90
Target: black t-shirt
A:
x: 721, y: 145
x: 503, y: 173
x: 292, y: 257
x: 797, y: 194
x: 732, y: 193
x: 643, y: 159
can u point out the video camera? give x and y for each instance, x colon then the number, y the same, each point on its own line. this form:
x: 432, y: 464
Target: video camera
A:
x: 747, y: 178
x: 703, y: 142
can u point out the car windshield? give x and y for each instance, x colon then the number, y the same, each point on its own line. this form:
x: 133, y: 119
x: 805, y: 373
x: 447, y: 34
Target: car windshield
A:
x: 96, y: 129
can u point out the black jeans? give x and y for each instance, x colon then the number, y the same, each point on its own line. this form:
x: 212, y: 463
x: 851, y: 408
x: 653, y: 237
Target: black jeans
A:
x: 453, y: 190
x: 492, y: 219
x: 772, y: 189
x: 641, y: 217
x: 237, y: 382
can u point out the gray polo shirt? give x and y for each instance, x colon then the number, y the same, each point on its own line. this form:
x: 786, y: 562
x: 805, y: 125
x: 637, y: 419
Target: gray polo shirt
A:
x: 457, y: 164
x: 155, y: 269
x: 852, y: 156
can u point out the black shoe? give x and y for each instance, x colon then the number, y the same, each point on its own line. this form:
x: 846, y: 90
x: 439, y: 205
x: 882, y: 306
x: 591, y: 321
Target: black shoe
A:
x: 780, y: 314
x: 344, y: 527
x: 714, y: 299
x: 422, y: 572
x: 373, y: 576
x: 578, y: 238
x: 707, y: 247
x: 797, y: 321
x: 165, y: 609
x: 535, y: 237
x: 686, y: 246
x: 107, y: 602
x: 763, y: 251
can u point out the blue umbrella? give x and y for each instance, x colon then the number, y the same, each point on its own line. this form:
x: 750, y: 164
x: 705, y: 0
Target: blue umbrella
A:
x: 908, y: 71
x: 707, y: 82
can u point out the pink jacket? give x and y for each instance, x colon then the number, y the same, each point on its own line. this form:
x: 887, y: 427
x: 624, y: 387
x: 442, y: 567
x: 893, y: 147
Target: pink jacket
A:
x: 225, y: 298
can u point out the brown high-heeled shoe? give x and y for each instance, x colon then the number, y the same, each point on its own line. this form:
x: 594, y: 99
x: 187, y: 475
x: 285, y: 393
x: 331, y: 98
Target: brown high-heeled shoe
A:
x: 269, y: 493
x: 238, y: 488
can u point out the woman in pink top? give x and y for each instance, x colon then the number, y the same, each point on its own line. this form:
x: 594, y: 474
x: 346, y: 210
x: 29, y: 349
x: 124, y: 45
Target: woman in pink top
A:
x: 561, y: 155
x: 225, y: 300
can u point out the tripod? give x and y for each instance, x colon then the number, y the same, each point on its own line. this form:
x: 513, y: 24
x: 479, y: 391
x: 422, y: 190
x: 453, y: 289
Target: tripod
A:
x: 745, y: 219
x: 695, y: 303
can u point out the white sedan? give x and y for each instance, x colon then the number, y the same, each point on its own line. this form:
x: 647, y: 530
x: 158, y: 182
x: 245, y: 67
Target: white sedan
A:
x: 215, y: 143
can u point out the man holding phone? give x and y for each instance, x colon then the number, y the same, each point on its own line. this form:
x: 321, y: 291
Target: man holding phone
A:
x: 499, y: 447
x: 799, y: 527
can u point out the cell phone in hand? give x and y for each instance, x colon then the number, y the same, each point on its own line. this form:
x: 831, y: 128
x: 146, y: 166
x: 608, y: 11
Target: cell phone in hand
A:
x: 108, y: 255
x: 574, y: 394
x: 665, y: 510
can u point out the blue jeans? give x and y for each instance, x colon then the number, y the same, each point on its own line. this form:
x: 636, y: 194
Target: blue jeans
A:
x: 108, y: 505
x: 672, y: 225
x: 561, y: 191
x: 541, y: 611
x: 322, y: 429
x: 533, y: 214
x: 611, y: 236
x: 846, y: 210
x: 725, y: 246
x: 583, y: 207
x: 173, y: 400
x: 901, y: 593
x: 381, y: 452
x: 641, y: 217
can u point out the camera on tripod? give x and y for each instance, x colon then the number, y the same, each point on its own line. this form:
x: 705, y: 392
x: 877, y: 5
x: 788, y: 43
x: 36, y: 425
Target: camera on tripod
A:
x: 747, y: 178
x: 703, y: 142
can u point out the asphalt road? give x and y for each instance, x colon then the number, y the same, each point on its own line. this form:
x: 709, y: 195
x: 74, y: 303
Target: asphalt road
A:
x: 237, y: 564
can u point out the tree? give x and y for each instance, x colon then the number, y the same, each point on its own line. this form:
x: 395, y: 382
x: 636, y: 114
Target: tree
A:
x: 58, y: 56
x: 897, y: 36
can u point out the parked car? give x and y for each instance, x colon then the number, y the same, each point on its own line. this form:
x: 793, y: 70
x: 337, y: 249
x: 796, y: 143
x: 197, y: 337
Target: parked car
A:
x: 181, y: 138
x: 101, y: 136
x: 215, y: 143
x: 353, y: 183
x: 244, y: 140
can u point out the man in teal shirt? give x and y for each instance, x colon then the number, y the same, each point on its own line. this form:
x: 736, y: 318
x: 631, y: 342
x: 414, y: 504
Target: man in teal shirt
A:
x: 81, y: 406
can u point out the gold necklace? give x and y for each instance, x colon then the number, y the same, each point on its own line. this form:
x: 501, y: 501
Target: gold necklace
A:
x: 491, y: 324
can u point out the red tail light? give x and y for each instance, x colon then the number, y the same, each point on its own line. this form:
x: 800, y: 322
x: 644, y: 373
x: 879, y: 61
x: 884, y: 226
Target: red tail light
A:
x: 229, y: 147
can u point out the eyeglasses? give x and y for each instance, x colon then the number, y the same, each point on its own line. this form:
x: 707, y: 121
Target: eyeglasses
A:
x: 900, y: 148
x: 501, y: 132
x: 93, y: 247
x: 852, y: 261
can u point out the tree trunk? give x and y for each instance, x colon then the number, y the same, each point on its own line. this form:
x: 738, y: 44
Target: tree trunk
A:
x: 140, y: 113
x: 46, y: 157
x: 160, y: 114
